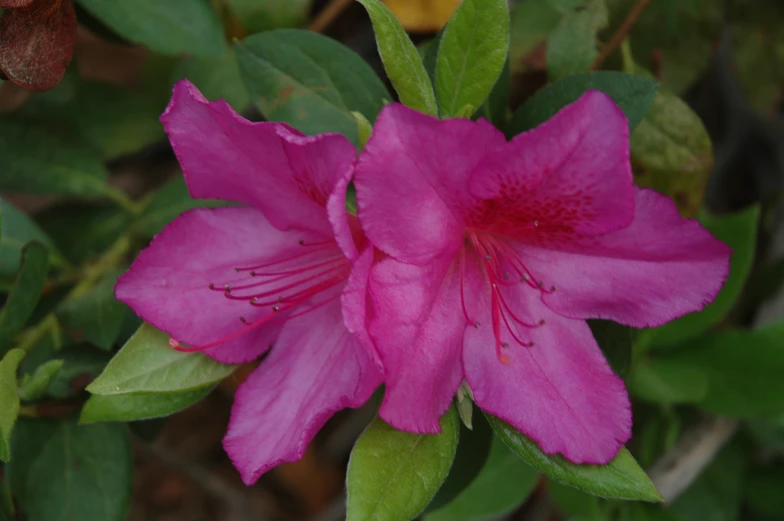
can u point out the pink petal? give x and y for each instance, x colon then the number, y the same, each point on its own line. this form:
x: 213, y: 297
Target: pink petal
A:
x: 571, y: 171
x: 413, y: 173
x: 414, y: 319
x: 316, y: 369
x: 659, y: 268
x: 354, y: 301
x: 168, y: 283
x: 286, y: 175
x: 561, y: 392
x: 348, y: 232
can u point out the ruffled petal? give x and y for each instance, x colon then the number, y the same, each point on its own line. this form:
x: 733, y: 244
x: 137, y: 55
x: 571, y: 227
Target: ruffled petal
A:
x: 560, y: 392
x: 659, y: 268
x: 413, y: 173
x: 354, y: 302
x: 168, y: 284
x: 415, y: 322
x: 316, y: 369
x: 286, y: 175
x: 570, y: 172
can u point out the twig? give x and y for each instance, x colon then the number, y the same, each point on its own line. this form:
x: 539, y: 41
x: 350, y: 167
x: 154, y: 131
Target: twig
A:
x: 678, y: 468
x: 621, y: 33
x: 328, y: 15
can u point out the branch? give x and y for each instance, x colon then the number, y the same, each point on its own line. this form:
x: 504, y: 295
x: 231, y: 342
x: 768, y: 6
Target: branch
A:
x: 621, y: 32
x: 679, y: 467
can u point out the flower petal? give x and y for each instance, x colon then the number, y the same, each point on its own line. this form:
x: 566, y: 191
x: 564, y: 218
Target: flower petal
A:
x: 354, y: 302
x: 345, y: 226
x: 415, y: 322
x: 270, y: 166
x: 316, y: 369
x: 413, y: 172
x: 659, y: 268
x: 572, y: 171
x: 560, y: 392
x: 168, y: 283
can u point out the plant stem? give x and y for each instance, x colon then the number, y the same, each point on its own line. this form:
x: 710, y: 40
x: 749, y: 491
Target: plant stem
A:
x: 621, y: 32
x: 124, y: 201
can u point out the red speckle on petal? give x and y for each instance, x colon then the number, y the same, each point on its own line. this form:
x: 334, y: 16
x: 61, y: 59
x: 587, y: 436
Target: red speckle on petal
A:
x: 37, y: 42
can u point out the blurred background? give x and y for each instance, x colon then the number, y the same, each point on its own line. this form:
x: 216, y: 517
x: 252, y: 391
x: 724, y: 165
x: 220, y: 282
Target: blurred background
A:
x: 85, y: 169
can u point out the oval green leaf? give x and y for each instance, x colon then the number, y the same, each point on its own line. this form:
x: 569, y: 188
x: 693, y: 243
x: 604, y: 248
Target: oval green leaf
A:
x: 139, y: 406
x: 61, y: 470
x: 18, y: 230
x: 9, y: 401
x: 393, y: 475
x: 309, y: 81
x: 672, y: 153
x: 501, y: 486
x: 401, y: 60
x: 633, y: 94
x: 472, y: 453
x: 571, y: 48
x: 622, y: 478
x: 170, y: 27
x: 471, y: 54
x: 146, y: 364
x: 25, y: 292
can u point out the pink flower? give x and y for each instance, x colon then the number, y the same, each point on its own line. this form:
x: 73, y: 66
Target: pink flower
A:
x: 237, y: 282
x: 496, y: 252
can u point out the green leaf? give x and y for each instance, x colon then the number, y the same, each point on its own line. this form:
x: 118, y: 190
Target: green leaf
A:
x: 758, y: 51
x: 531, y: 23
x: 496, y: 108
x: 716, y: 493
x: 24, y: 293
x: 393, y: 475
x: 47, y: 159
x: 166, y: 204
x: 170, y: 27
x: 763, y: 488
x: 632, y: 93
x: 672, y: 152
x: 665, y: 381
x: 676, y: 38
x: 255, y: 16
x: 216, y: 78
x: 95, y: 316
x: 83, y: 231
x: 615, y: 342
x: 472, y: 453
x: 115, y: 121
x: 364, y: 128
x: 574, y: 502
x: 35, y: 387
x: 309, y: 81
x: 147, y: 364
x: 622, y: 478
x: 501, y: 486
x: 61, y: 470
x: 81, y: 364
x: 139, y: 406
x: 743, y: 369
x: 18, y: 230
x: 471, y: 54
x: 739, y: 232
x: 571, y: 48
x: 9, y: 401
x: 401, y: 60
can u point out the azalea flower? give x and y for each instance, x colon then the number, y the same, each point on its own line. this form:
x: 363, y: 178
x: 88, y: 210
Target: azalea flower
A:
x: 266, y: 277
x: 494, y: 253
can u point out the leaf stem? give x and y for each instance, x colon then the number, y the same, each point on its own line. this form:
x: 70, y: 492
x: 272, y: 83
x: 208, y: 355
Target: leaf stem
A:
x: 621, y: 32
x: 124, y: 201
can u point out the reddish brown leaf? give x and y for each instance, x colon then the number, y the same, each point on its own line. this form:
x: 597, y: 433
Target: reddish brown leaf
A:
x: 11, y: 4
x: 37, y: 42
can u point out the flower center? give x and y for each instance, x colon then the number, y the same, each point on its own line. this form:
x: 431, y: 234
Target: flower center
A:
x: 303, y: 279
x: 505, y: 272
